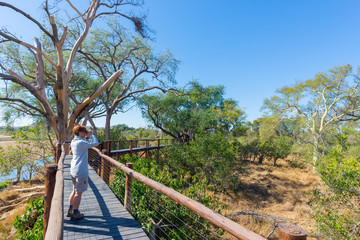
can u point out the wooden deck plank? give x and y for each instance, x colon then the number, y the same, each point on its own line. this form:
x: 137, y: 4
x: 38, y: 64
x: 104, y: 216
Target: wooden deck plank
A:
x: 105, y: 217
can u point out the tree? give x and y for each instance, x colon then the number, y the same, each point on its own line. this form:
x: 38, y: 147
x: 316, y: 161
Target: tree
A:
x: 320, y: 102
x: 270, y: 137
x: 277, y: 147
x: 107, y: 51
x: 189, y: 111
x: 54, y: 63
x: 28, y: 155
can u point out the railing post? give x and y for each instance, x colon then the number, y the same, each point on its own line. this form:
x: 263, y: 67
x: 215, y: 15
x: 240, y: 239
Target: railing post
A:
x: 50, y: 179
x: 131, y: 148
x: 118, y: 148
x: 128, y: 189
x: 109, y: 148
x: 158, y: 148
x: 291, y: 232
x: 146, y: 149
x: 105, y: 168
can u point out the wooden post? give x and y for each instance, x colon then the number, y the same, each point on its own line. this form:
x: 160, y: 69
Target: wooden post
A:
x: 158, y: 148
x: 50, y: 179
x: 118, y: 148
x: 105, y: 168
x: 146, y: 149
x: 128, y: 189
x: 131, y: 148
x: 109, y: 148
x: 291, y: 232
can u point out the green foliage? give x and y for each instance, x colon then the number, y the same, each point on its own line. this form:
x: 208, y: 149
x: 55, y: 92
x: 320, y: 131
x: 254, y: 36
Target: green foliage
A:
x: 31, y: 225
x: 151, y: 208
x: 193, y: 110
x: 124, y: 132
x: 30, y: 152
x: 319, y: 103
x: 116, y: 132
x: 4, y: 184
x: 337, y: 209
x: 270, y: 137
x: 277, y: 147
x: 209, y: 157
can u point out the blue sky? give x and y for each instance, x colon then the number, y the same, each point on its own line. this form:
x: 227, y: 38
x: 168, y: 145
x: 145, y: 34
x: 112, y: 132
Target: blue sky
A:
x: 251, y: 47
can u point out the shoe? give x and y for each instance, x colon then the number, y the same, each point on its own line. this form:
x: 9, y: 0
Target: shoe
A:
x: 77, y: 216
x: 69, y: 212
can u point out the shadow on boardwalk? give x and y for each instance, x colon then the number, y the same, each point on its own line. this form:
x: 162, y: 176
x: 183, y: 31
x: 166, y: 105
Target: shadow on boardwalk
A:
x: 105, y: 217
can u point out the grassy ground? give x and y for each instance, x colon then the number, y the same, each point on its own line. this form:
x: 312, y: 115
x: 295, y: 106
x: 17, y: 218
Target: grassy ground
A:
x: 279, y: 191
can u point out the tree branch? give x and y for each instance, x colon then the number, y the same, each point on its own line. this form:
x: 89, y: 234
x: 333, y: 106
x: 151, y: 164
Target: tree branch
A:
x: 13, y: 39
x: 27, y: 16
x: 24, y: 103
x: 93, y: 96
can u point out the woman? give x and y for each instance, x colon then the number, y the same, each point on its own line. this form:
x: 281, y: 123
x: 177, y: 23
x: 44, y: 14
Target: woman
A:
x: 83, y: 140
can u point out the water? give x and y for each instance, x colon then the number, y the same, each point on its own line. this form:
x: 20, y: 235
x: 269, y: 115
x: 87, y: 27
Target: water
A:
x: 25, y: 174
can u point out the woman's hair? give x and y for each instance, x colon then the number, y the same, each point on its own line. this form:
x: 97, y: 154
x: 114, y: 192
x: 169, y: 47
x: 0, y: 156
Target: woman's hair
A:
x: 79, y: 128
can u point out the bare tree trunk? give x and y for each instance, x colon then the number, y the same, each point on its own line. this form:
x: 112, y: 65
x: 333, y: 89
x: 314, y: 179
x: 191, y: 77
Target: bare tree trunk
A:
x: 107, y: 126
x: 315, y: 152
x: 18, y: 174
x: 92, y: 125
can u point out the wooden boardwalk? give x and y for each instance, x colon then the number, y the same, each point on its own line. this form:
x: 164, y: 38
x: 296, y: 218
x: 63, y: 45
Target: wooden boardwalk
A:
x: 105, y: 217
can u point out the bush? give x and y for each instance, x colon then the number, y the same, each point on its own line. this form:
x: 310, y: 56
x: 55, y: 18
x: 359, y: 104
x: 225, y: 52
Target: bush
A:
x: 209, y: 157
x: 30, y: 226
x: 4, y: 184
x: 337, y: 209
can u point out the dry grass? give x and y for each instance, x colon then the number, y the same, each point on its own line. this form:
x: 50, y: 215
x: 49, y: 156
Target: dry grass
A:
x: 280, y: 191
x: 5, y: 137
x: 6, y: 141
x: 5, y: 144
x: 7, y: 218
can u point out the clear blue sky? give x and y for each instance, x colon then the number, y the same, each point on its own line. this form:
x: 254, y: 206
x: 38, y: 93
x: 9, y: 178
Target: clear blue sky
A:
x: 251, y: 47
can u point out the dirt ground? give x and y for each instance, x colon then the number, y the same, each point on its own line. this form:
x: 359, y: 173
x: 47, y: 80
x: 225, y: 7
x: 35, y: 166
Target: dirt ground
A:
x: 270, y: 195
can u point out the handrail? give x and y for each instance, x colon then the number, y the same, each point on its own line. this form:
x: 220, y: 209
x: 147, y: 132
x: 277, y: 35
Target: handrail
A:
x: 56, y: 218
x: 145, y: 139
x: 228, y: 225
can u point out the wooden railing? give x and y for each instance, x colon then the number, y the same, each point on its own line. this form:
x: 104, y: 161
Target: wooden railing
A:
x: 201, y: 210
x: 146, y: 143
x: 53, y: 228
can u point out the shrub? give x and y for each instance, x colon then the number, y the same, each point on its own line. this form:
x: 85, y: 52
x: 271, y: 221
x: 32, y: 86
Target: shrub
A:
x: 4, y: 184
x: 209, y: 157
x: 337, y: 208
x: 30, y: 226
